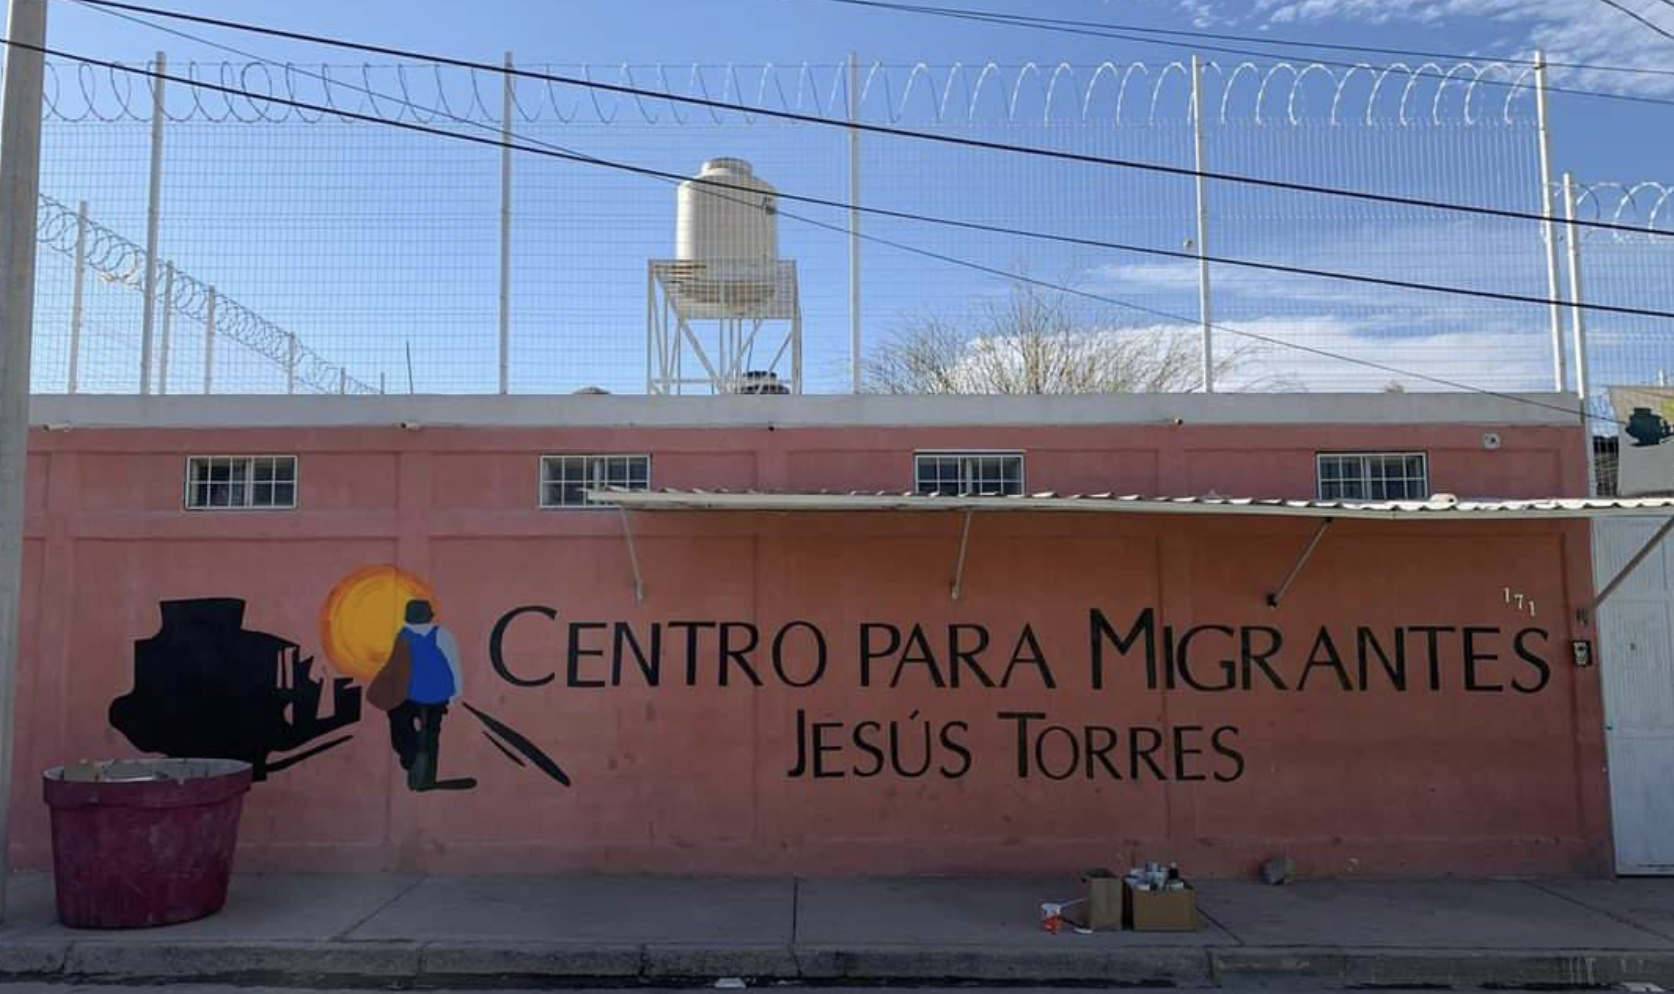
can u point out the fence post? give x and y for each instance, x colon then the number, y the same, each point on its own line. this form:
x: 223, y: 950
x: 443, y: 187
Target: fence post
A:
x: 1204, y: 304
x: 290, y: 365
x: 1577, y: 313
x: 508, y: 83
x: 1578, y: 327
x: 853, y: 101
x: 209, y: 345
x: 76, y: 289
x: 168, y: 327
x: 20, y: 179
x: 152, y: 216
x: 1554, y: 293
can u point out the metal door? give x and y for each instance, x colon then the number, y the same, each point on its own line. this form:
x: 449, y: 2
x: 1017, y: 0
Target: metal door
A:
x: 1636, y: 653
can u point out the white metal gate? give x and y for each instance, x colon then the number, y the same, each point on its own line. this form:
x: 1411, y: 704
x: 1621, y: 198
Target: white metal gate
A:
x: 1636, y: 651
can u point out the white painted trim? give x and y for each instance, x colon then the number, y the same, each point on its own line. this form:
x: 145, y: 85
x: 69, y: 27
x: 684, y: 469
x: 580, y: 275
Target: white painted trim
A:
x: 569, y: 410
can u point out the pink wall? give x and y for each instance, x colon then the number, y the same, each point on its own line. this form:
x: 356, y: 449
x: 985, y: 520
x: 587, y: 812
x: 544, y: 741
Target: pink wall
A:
x: 682, y: 778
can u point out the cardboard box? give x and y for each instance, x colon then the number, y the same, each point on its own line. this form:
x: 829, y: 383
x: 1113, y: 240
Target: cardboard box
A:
x: 1101, y: 892
x: 1159, y: 910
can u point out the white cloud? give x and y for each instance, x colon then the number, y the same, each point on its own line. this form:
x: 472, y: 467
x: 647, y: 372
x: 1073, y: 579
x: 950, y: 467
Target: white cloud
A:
x: 1303, y: 354
x: 1144, y: 275
x: 1575, y: 31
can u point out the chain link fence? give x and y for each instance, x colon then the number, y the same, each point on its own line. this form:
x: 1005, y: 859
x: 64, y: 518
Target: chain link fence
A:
x: 305, y: 249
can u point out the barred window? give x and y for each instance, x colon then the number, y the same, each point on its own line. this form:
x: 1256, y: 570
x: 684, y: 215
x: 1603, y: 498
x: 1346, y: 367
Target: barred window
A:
x: 565, y: 480
x: 216, y: 483
x: 1374, y: 476
x: 955, y: 474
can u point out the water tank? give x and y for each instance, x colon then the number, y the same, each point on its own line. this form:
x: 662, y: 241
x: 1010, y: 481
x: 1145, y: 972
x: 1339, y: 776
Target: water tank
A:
x: 727, y: 236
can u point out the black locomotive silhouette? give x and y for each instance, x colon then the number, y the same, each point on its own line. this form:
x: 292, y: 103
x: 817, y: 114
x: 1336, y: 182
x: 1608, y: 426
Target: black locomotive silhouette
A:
x: 206, y: 687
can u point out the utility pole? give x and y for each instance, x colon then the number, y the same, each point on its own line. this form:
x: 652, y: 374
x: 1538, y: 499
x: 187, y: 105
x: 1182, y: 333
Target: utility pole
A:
x: 20, y: 184
x: 153, y: 215
x: 1555, y: 309
x: 856, y: 356
x: 1578, y: 319
x: 508, y: 82
x: 76, y: 293
x: 1205, y: 303
x: 209, y: 345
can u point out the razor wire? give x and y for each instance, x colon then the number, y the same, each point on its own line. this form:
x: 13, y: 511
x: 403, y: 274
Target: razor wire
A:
x: 1119, y: 94
x: 122, y: 262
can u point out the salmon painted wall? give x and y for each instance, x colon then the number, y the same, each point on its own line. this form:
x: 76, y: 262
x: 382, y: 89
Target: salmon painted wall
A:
x: 1274, y: 738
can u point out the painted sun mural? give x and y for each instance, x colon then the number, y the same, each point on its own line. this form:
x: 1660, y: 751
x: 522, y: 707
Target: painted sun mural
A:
x: 363, y: 615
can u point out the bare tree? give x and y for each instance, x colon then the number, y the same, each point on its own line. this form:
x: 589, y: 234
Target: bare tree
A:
x: 1035, y: 341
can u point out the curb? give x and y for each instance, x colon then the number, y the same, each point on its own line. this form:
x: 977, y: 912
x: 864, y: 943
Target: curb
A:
x: 1243, y: 967
x: 1154, y: 967
x: 501, y: 964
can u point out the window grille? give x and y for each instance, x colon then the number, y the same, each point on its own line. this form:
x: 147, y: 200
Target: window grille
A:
x: 226, y: 483
x: 955, y: 474
x: 1373, y: 476
x: 565, y: 480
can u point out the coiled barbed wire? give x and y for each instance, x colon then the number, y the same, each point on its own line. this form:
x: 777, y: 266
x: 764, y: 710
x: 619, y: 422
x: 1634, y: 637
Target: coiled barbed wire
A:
x: 1629, y: 204
x: 122, y: 262
x: 1284, y: 92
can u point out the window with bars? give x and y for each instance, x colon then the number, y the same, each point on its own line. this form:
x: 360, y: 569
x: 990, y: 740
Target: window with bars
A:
x: 565, y: 480
x: 1374, y: 476
x: 955, y: 474
x: 231, y: 483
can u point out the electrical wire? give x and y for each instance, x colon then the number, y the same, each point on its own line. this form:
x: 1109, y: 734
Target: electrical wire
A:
x: 944, y: 139
x: 1090, y: 27
x: 1641, y: 18
x: 560, y: 152
x: 1056, y: 25
x: 898, y: 215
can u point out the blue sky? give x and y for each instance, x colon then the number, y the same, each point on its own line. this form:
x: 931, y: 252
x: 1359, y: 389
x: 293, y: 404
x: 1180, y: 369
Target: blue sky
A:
x: 1595, y: 138
x: 253, y: 217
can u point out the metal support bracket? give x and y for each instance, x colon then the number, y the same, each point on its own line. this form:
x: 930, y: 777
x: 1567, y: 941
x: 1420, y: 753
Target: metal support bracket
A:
x: 1277, y: 596
x: 633, y: 556
x: 1633, y: 564
x: 959, y: 564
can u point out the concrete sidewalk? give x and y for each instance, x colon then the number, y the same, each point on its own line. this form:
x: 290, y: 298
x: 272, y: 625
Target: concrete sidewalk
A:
x: 539, y: 931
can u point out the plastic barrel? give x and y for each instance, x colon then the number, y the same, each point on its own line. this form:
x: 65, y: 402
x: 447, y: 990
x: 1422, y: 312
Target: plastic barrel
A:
x: 139, y: 843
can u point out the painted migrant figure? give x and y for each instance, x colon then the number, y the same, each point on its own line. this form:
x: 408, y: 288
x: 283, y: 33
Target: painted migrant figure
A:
x: 416, y: 686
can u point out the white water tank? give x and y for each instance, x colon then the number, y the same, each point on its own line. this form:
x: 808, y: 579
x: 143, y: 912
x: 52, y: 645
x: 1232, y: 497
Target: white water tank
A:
x: 727, y: 214
x: 727, y: 232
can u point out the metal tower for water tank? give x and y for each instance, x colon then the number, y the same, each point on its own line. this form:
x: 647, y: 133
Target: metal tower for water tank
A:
x: 726, y: 300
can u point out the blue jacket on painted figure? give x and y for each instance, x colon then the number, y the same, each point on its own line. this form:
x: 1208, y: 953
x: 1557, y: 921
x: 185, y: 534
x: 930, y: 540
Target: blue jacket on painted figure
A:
x: 435, y: 657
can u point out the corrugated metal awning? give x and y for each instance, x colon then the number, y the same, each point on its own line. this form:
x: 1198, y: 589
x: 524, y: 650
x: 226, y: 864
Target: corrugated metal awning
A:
x: 1439, y: 507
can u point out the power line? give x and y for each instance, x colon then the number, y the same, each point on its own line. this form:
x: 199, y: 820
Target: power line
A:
x: 898, y: 215
x: 1641, y: 18
x: 1063, y: 26
x: 1268, y: 339
x: 929, y: 136
x: 570, y: 155
x: 1090, y: 28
